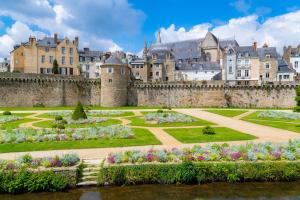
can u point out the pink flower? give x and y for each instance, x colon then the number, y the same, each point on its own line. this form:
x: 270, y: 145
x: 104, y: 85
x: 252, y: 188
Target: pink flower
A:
x: 201, y: 158
x: 236, y: 155
x: 149, y: 157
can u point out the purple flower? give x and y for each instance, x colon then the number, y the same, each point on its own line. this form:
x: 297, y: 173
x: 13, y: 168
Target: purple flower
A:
x: 201, y: 158
x: 236, y: 155
x: 111, y: 159
x: 276, y: 154
x: 149, y: 157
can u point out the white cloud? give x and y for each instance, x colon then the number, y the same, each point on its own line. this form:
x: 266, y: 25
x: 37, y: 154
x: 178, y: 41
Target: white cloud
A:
x: 242, y: 5
x: 18, y: 32
x: 276, y: 31
x: 94, y: 21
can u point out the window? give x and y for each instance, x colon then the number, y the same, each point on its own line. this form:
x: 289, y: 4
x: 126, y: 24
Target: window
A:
x: 137, y: 74
x: 49, y: 70
x: 296, y: 64
x: 267, y: 75
x: 268, y: 56
x: 157, y: 73
x: 71, y: 71
x: 63, y: 49
x: 122, y: 70
x: 151, y: 74
x: 110, y: 70
x: 239, y: 73
x: 230, y: 69
x: 43, y: 59
x: 97, y: 74
x: 286, y: 76
x: 87, y: 67
x: 110, y: 80
x: 41, y: 70
x: 239, y: 62
x: 247, y: 62
x: 246, y: 73
x: 71, y: 60
x: 267, y: 65
x: 50, y: 59
x: 63, y: 60
x: 71, y: 50
x: 63, y: 71
x: 280, y: 77
x: 47, y: 49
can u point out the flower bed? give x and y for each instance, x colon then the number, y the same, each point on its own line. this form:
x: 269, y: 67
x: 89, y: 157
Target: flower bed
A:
x: 22, y: 135
x: 89, y: 120
x: 278, y: 115
x: 65, y: 113
x: 105, y: 112
x: 250, y: 152
x: 9, y: 118
x: 160, y: 118
x: 27, y: 161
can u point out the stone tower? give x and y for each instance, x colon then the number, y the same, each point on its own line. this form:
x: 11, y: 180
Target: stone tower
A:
x: 115, y: 77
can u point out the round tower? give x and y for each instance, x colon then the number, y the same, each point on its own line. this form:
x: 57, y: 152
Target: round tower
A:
x: 114, y: 82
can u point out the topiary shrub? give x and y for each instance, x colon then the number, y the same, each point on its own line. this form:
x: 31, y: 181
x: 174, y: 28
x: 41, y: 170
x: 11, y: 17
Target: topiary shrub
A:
x: 61, y: 126
x: 79, y: 112
x: 55, y: 68
x: 297, y: 99
x: 6, y: 113
x: 58, y: 118
x: 208, y: 130
x: 159, y: 111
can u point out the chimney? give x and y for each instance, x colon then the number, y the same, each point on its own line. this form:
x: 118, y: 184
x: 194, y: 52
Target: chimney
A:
x: 298, y: 49
x: 55, y: 38
x: 265, y: 45
x: 32, y: 41
x: 76, y: 41
x: 254, y: 47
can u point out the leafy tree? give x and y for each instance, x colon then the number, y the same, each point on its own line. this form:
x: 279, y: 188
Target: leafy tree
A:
x: 79, y: 112
x: 55, y: 69
x: 297, y: 99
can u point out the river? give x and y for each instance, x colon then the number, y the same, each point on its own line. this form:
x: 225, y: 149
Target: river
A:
x: 174, y: 192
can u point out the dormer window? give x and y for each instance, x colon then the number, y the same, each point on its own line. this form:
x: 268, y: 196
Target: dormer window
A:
x: 268, y: 56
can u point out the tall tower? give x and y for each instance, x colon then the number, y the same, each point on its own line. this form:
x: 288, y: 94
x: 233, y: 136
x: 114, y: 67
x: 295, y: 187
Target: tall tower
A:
x: 114, y: 82
x: 145, y: 51
x: 158, y: 38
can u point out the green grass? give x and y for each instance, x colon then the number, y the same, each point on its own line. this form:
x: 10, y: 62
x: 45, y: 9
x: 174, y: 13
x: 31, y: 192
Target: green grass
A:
x: 286, y: 124
x: 72, y: 108
x: 227, y: 113
x: 16, y: 124
x: 194, y: 135
x: 140, y: 121
x: 142, y: 137
x: 48, y: 124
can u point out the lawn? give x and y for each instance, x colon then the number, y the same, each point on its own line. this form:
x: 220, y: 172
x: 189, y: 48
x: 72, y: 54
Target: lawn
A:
x: 286, y: 124
x: 142, y: 137
x: 16, y: 124
x: 226, y: 112
x: 48, y: 124
x: 195, y: 135
x: 140, y: 121
x: 72, y: 108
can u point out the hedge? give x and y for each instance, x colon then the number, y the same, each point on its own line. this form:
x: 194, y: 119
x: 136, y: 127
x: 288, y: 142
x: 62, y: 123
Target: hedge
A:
x: 26, y: 181
x: 196, y: 173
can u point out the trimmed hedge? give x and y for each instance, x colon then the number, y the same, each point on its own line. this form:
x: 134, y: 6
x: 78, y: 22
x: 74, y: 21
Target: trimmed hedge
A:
x: 25, y: 181
x: 195, y: 173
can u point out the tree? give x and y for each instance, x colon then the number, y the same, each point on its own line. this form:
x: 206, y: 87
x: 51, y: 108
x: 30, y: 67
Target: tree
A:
x: 55, y: 69
x: 297, y: 99
x: 79, y: 112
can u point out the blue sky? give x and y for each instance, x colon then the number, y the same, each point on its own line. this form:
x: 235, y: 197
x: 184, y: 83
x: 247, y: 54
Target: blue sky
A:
x: 123, y: 24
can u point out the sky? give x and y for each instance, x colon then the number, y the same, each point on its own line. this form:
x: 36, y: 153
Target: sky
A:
x: 111, y: 25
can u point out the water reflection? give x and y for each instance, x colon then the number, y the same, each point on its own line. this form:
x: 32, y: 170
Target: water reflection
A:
x: 285, y: 191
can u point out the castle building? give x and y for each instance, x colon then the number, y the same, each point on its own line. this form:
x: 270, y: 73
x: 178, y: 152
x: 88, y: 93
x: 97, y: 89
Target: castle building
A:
x: 190, y: 60
x: 90, y: 63
x: 37, y: 56
x: 249, y: 65
x: 5, y: 65
x: 292, y: 57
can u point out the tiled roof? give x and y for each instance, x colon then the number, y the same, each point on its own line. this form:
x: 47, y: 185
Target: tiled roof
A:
x: 246, y: 51
x: 113, y: 60
x: 262, y: 52
x: 198, y: 66
x: 283, y: 67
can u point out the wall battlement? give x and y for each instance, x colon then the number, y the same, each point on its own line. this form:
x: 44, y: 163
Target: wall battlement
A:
x: 18, y: 89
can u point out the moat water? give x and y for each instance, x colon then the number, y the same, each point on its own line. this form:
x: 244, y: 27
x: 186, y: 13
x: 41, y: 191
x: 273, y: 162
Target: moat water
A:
x: 173, y: 192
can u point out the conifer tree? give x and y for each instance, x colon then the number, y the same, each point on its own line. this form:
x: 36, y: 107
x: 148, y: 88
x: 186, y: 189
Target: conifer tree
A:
x: 79, y: 112
x: 55, y: 69
x: 297, y: 99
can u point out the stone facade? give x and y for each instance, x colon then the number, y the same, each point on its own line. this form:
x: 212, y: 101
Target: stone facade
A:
x: 50, y: 90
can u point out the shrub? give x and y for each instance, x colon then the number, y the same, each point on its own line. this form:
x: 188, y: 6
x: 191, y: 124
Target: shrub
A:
x: 58, y: 118
x: 61, y: 126
x: 39, y: 105
x: 55, y: 68
x: 208, y: 130
x: 79, y: 112
x: 6, y: 113
x: 54, y: 126
x: 159, y: 111
x: 297, y: 99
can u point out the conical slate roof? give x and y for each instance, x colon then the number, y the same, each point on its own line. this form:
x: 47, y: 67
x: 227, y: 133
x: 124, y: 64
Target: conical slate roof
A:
x: 113, y: 60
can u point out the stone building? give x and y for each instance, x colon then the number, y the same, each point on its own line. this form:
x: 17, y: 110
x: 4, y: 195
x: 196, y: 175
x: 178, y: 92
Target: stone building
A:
x: 5, y: 65
x: 292, y: 57
x: 249, y: 65
x: 90, y: 62
x: 37, y: 56
x: 191, y: 60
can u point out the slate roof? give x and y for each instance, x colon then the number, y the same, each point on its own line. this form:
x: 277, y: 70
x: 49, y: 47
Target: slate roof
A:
x: 246, y: 51
x: 283, y: 67
x: 90, y: 53
x: 113, y: 60
x: 198, y: 66
x: 262, y: 52
x: 47, y: 42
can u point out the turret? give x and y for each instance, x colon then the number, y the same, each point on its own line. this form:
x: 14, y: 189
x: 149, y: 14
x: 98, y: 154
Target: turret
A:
x: 114, y: 82
x: 158, y: 38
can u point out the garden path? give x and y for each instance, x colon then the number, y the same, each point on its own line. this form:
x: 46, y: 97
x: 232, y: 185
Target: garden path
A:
x: 244, y: 114
x: 263, y: 133
x: 33, y: 116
